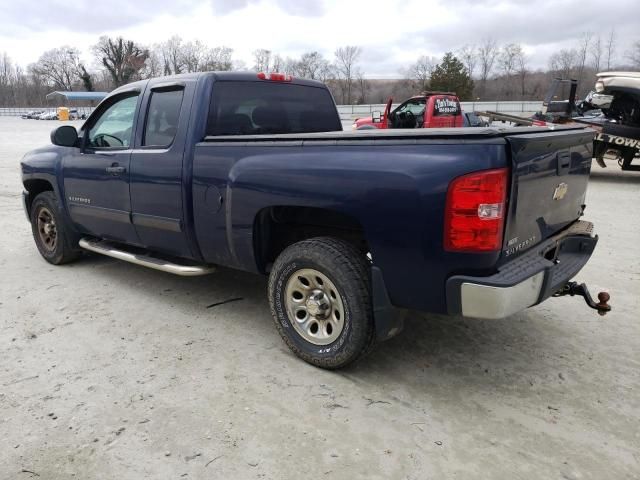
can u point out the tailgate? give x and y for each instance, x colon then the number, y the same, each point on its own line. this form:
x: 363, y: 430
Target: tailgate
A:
x: 549, y: 184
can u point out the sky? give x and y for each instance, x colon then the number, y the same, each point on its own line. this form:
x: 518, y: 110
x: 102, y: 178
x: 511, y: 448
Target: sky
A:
x: 392, y: 33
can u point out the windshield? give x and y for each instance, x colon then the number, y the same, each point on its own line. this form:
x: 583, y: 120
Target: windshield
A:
x: 415, y: 106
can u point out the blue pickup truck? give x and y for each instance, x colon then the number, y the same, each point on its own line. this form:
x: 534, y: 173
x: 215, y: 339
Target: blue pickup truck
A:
x: 253, y: 172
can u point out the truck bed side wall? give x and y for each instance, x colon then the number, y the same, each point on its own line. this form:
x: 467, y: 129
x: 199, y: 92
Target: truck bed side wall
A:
x: 396, y: 192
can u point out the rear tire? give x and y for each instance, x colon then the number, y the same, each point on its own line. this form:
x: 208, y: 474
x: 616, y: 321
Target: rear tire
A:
x: 56, y: 242
x: 320, y: 296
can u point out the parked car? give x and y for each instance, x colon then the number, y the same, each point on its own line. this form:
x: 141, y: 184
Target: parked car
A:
x: 32, y: 114
x: 252, y: 172
x: 50, y: 115
x: 74, y: 114
x: 427, y: 110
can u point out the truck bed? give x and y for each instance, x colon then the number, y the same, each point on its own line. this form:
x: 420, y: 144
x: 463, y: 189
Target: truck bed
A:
x: 394, y: 182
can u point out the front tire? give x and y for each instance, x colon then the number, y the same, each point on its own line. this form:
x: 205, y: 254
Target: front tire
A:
x: 55, y: 241
x: 320, y: 296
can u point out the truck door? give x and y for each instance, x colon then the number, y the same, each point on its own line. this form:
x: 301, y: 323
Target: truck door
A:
x: 157, y: 191
x: 96, y: 175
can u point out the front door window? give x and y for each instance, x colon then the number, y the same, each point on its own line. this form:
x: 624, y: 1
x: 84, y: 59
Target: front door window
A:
x: 114, y: 127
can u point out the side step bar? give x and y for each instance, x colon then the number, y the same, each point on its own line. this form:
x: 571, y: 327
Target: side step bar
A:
x: 110, y: 250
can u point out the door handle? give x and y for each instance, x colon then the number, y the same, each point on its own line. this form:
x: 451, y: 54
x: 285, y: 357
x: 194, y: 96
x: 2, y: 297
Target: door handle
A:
x: 115, y: 169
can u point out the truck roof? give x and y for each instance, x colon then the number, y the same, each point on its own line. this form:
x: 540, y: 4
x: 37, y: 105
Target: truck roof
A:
x: 243, y: 76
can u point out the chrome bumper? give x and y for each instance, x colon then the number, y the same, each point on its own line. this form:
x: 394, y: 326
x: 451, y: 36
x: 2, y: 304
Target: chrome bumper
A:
x: 485, y: 301
x: 525, y: 281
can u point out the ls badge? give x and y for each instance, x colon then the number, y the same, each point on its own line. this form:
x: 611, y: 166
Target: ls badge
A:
x: 560, y: 191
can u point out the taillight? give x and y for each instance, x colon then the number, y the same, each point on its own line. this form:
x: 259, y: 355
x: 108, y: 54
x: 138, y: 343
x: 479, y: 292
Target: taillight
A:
x: 275, y: 77
x: 474, y: 214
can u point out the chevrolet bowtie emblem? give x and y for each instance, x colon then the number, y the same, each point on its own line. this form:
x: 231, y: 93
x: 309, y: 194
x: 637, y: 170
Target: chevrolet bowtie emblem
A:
x: 560, y: 191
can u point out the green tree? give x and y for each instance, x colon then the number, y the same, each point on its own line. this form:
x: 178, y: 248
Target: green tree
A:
x: 450, y: 75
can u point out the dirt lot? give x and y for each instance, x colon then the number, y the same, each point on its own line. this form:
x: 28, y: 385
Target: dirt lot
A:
x: 110, y: 370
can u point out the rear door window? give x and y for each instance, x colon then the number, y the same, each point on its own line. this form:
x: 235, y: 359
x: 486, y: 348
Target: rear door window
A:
x: 255, y: 108
x: 163, y: 115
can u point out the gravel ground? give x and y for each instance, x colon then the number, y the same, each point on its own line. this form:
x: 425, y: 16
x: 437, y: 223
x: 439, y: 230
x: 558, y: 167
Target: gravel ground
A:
x: 110, y: 370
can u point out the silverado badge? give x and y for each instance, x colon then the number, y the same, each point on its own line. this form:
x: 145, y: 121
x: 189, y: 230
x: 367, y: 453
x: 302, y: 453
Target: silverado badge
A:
x: 560, y: 191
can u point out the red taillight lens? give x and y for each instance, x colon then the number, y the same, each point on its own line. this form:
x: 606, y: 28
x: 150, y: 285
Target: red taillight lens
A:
x: 474, y: 214
x: 275, y: 77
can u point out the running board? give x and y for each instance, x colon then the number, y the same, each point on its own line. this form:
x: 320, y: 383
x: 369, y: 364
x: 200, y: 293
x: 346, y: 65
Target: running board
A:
x: 110, y: 250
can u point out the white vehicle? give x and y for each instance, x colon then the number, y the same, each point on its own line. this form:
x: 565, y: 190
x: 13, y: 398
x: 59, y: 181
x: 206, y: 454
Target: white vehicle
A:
x: 51, y: 115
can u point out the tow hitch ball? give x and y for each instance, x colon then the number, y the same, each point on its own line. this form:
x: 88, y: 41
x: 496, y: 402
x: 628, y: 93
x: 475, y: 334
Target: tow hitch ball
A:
x: 575, y: 288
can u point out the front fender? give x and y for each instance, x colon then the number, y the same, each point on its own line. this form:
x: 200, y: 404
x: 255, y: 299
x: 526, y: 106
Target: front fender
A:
x: 44, y: 164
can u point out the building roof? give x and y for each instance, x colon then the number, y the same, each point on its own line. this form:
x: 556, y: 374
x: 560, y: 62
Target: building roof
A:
x: 78, y: 95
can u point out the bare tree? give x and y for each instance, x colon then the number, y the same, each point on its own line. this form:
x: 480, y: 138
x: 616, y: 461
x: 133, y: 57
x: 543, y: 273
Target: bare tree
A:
x: 363, y: 87
x: 153, y: 66
x: 277, y: 63
x: 172, y: 55
x: 508, y: 63
x: 262, y: 60
x: 487, y: 53
x: 59, y: 67
x: 469, y: 56
x: 346, y: 59
x: 563, y: 62
x: 218, y: 58
x: 610, y: 49
x: 634, y: 54
x: 193, y: 56
x: 312, y: 65
x: 123, y: 59
x: 7, y: 79
x: 86, y: 78
x: 421, y: 71
x: 596, y: 53
x: 6, y: 70
x: 583, y: 49
x: 521, y: 67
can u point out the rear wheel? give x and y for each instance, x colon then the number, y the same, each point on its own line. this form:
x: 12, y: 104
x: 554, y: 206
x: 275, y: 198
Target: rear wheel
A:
x: 55, y: 241
x: 319, y: 290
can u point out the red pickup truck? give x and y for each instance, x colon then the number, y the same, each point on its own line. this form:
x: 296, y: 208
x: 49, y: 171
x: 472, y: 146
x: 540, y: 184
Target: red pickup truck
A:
x: 427, y: 110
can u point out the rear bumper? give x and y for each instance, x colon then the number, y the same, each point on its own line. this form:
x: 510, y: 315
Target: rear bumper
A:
x: 527, y: 280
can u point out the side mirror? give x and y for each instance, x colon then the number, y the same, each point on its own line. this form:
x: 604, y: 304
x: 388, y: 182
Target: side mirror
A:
x: 376, y: 117
x: 65, y: 136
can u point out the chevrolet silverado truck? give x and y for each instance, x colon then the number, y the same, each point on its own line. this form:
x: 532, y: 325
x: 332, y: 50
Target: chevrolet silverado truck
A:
x: 427, y: 110
x: 186, y: 173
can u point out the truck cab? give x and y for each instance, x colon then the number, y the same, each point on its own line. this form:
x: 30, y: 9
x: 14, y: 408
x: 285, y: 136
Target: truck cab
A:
x: 427, y: 110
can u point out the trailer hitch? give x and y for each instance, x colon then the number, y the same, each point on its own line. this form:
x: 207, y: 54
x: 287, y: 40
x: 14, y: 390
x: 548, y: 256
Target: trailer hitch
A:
x: 580, y: 289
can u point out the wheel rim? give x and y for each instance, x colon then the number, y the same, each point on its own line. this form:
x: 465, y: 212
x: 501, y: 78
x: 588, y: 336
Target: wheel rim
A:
x: 315, y: 306
x: 47, y: 230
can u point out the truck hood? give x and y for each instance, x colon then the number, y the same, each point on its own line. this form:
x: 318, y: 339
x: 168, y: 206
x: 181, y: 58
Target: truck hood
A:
x: 360, y: 122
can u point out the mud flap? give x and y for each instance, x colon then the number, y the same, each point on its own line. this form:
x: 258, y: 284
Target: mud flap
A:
x: 389, y: 320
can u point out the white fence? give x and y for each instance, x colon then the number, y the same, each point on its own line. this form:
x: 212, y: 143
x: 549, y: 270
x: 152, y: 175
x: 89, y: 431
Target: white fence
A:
x: 351, y: 112
x: 19, y: 111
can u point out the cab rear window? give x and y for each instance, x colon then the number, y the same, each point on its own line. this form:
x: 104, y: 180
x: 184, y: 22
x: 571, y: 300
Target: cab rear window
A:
x: 255, y: 108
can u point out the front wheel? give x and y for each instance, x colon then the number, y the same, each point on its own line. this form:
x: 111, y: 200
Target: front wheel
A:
x: 55, y: 241
x: 320, y: 296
